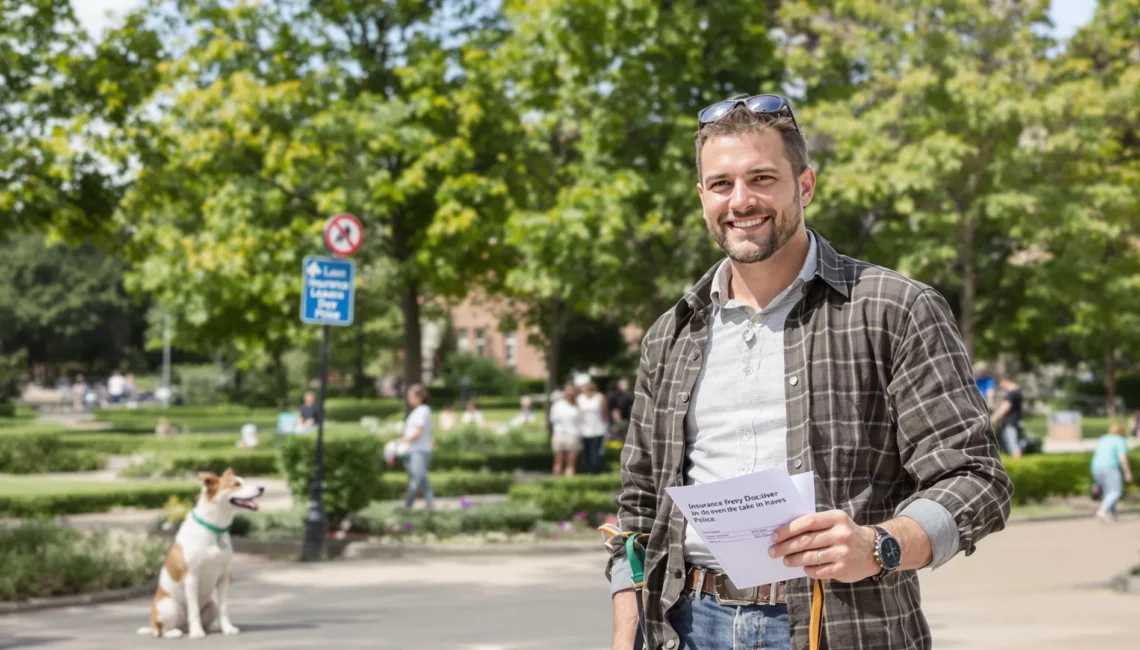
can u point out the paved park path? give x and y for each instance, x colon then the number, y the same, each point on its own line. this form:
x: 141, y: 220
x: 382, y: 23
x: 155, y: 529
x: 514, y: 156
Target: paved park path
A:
x: 1035, y: 586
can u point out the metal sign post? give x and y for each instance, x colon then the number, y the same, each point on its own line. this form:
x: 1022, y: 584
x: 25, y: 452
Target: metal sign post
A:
x: 328, y: 296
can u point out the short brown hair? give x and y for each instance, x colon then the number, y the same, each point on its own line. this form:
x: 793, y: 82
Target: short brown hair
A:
x: 740, y: 121
x: 1116, y: 428
x: 419, y: 391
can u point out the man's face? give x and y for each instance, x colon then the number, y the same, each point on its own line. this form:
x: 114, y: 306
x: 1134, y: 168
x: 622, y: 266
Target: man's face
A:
x: 309, y: 399
x: 753, y: 201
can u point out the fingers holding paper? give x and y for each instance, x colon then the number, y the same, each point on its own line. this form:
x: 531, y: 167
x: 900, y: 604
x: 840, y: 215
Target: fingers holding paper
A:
x: 829, y: 545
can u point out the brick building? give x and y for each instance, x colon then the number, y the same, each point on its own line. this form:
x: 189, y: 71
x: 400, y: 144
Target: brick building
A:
x: 476, y: 324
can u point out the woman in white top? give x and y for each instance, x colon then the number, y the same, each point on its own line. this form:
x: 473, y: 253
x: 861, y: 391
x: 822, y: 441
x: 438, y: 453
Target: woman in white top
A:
x: 592, y: 404
x: 417, y: 434
x: 567, y: 423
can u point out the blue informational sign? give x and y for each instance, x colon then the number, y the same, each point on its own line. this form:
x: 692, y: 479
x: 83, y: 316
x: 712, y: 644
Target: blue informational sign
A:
x: 328, y: 291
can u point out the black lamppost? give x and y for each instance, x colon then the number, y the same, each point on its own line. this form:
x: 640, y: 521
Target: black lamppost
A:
x: 316, y: 523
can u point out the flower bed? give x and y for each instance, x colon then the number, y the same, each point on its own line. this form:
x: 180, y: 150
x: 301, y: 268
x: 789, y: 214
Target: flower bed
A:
x: 42, y: 560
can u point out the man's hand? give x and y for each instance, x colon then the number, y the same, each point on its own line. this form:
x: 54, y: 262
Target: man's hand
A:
x: 829, y: 545
x: 625, y: 619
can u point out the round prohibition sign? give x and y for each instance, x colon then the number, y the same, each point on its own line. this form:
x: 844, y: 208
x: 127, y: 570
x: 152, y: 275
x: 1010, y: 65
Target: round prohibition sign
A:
x: 343, y: 234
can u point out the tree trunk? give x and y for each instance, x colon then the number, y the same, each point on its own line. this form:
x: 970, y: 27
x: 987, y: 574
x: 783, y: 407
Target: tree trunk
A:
x: 1110, y: 378
x: 409, y: 300
x: 239, y: 386
x: 969, y: 285
x: 413, y: 353
x: 553, y: 328
x: 360, y: 360
x: 282, y: 380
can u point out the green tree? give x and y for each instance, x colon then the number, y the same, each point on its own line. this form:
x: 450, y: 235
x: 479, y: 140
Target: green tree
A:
x: 1089, y: 243
x: 65, y: 304
x: 917, y: 115
x: 609, y: 225
x: 55, y: 87
x: 277, y: 115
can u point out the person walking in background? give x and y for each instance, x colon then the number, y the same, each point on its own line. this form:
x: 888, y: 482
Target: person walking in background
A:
x: 116, y: 387
x: 986, y: 384
x: 566, y: 420
x: 1110, y: 470
x: 593, y: 407
x: 618, y: 403
x: 1008, y: 417
x: 417, y: 433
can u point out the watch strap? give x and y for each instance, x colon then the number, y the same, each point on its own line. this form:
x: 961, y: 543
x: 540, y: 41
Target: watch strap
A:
x: 880, y: 533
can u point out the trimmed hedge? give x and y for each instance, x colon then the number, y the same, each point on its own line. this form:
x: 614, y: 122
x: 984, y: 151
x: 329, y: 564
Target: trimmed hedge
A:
x: 385, y: 520
x: 353, y: 466
x: 65, y: 498
x: 446, y: 484
x: 561, y: 499
x: 1055, y: 475
x: 244, y: 462
x: 534, y: 460
x: 37, y: 453
x: 125, y: 443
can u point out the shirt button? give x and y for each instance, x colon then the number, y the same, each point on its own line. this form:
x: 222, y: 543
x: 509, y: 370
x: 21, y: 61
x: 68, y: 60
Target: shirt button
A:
x: 678, y: 574
x: 799, y: 463
x: 748, y: 371
x: 694, y: 356
x: 748, y: 335
x: 794, y: 380
x: 670, y: 644
x: 684, y: 398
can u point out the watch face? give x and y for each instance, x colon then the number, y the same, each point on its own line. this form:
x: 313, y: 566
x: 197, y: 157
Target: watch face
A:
x: 890, y: 552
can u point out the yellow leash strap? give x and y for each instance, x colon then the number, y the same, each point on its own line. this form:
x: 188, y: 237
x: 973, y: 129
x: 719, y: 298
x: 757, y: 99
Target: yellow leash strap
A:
x: 815, y: 630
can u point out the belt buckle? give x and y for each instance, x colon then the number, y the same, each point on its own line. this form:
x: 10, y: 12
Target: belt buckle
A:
x: 721, y: 583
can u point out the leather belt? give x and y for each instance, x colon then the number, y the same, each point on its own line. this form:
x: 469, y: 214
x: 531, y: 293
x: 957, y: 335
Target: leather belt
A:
x: 719, y: 585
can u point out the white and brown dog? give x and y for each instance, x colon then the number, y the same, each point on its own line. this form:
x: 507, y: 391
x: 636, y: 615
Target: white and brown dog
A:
x: 193, y: 586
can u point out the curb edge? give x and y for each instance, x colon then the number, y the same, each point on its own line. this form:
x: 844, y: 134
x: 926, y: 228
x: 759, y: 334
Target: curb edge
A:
x: 74, y: 600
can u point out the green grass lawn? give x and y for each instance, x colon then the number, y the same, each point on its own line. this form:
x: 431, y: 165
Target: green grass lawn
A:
x: 40, y: 486
x: 344, y: 415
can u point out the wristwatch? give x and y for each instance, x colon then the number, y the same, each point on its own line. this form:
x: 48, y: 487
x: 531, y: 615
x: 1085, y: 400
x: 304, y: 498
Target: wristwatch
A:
x: 888, y: 552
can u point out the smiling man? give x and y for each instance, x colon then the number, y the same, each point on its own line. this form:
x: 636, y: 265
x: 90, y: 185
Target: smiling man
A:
x: 789, y: 354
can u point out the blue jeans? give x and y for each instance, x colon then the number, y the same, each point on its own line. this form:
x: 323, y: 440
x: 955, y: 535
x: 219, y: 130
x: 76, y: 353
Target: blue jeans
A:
x: 592, y: 455
x: 1010, y: 436
x: 1112, y: 483
x: 417, y: 465
x: 703, y: 624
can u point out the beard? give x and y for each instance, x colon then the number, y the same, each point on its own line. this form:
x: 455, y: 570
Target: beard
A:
x: 747, y: 250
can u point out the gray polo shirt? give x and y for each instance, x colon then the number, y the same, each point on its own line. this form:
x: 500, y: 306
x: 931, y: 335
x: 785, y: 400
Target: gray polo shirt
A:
x: 730, y: 432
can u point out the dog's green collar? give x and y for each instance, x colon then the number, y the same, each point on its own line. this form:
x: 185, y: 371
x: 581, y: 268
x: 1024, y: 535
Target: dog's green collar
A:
x: 220, y: 533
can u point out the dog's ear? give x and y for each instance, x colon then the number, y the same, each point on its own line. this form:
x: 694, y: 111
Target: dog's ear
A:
x: 210, y: 482
x: 229, y: 473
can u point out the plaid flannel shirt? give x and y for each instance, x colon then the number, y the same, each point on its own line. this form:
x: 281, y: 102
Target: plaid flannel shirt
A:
x: 881, y: 404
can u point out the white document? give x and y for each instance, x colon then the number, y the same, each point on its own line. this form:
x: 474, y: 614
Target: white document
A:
x: 805, y: 485
x: 736, y: 518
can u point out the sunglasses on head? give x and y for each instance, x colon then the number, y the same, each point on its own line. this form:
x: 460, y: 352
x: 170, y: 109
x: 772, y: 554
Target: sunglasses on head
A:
x: 764, y: 104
